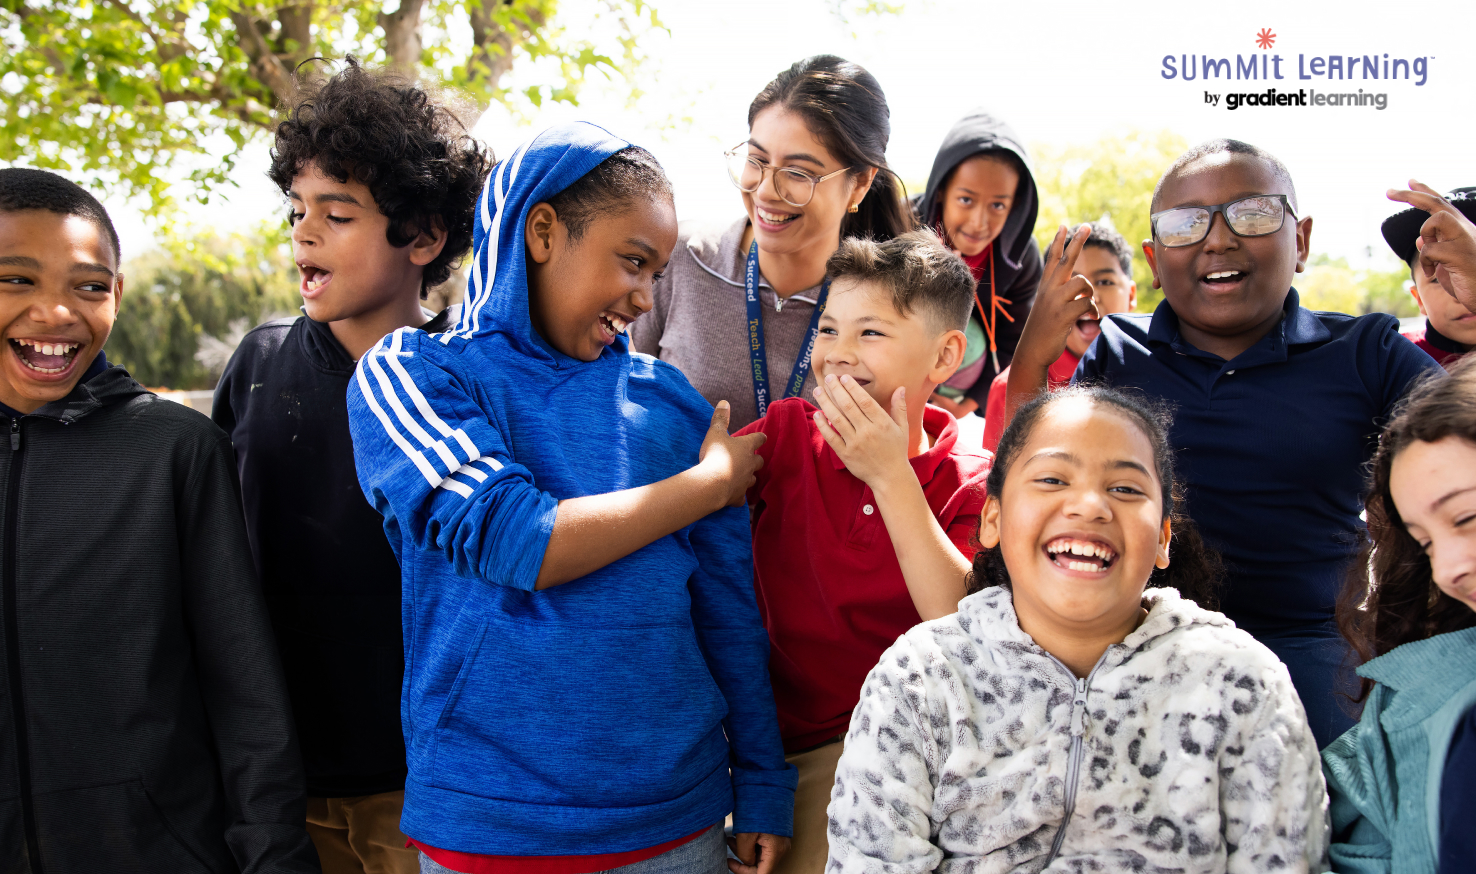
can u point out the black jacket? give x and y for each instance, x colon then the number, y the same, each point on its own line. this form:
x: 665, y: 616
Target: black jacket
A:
x: 145, y: 724
x: 1017, y: 266
x: 331, y: 580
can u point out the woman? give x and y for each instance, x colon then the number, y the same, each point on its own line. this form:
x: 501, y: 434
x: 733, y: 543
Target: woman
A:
x: 736, y: 309
x: 1400, y: 780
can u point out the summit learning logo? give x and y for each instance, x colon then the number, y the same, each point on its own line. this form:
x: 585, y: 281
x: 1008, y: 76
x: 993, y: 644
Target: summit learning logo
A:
x: 1376, y: 73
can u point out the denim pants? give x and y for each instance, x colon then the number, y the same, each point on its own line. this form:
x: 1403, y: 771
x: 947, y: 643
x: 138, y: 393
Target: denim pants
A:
x: 705, y: 854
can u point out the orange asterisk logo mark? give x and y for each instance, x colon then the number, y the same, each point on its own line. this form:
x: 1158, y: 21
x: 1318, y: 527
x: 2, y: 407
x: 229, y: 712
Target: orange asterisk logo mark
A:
x: 1265, y: 38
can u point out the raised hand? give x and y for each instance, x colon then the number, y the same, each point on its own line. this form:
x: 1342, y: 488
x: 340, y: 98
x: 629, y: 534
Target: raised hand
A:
x: 1447, y: 242
x: 1065, y: 296
x: 733, y: 461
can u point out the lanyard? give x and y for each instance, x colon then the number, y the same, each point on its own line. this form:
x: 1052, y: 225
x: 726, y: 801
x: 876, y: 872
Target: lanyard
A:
x: 756, y: 347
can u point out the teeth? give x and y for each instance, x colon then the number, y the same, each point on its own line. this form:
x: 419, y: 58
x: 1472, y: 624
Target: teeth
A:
x: 774, y: 218
x: 1082, y: 548
x: 1223, y: 274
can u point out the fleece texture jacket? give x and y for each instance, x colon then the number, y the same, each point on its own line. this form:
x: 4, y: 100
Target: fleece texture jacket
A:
x: 615, y: 712
x: 331, y: 581
x: 974, y: 750
x: 1017, y: 265
x: 144, y: 725
x: 1385, y: 773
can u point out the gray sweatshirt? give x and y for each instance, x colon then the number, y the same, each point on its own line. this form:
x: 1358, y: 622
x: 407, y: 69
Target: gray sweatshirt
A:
x: 700, y: 323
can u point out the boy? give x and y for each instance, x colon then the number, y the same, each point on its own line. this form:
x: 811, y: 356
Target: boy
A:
x: 1450, y: 328
x: 586, y: 684
x: 1107, y: 262
x: 369, y: 237
x: 1277, y: 408
x: 1447, y: 242
x: 981, y: 200
x: 145, y: 725
x: 864, y: 511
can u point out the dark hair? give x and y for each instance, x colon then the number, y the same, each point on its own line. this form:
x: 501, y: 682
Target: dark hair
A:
x: 384, y: 131
x: 917, y: 269
x: 1105, y: 236
x: 628, y: 174
x: 22, y: 188
x: 1234, y: 147
x: 844, y: 107
x: 1392, y: 572
x: 1195, y: 570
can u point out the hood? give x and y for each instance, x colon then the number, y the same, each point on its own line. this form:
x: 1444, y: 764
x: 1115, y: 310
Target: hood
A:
x: 496, y: 300
x: 112, y: 386
x: 978, y: 132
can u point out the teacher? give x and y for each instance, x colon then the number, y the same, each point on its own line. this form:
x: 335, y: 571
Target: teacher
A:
x: 737, y: 308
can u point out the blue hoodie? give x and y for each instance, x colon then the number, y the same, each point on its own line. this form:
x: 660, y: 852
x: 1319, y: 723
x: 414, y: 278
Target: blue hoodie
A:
x: 592, y: 717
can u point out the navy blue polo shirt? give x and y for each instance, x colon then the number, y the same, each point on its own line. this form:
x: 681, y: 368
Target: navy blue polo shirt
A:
x: 1272, y: 445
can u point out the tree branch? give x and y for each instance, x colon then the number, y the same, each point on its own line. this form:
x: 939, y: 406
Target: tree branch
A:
x: 264, y: 63
x: 493, y: 45
x: 402, y: 36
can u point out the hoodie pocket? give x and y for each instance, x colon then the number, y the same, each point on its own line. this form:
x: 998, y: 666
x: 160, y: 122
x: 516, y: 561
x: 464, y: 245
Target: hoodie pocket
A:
x: 570, y: 715
x: 115, y: 828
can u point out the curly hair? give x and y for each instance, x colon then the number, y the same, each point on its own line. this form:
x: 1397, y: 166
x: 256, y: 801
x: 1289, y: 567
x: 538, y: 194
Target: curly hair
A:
x: 630, y: 173
x: 1389, y: 597
x: 389, y: 134
x: 1196, y: 569
x: 918, y: 271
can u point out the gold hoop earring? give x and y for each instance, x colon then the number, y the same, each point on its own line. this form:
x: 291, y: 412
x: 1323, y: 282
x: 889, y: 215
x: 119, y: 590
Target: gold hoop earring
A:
x: 855, y: 207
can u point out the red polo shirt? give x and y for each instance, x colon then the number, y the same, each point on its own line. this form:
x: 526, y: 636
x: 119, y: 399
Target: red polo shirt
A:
x: 1058, y: 375
x: 828, y: 583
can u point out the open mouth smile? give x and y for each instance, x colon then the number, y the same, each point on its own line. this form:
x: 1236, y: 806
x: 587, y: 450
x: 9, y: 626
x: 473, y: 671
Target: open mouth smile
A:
x: 613, y: 325
x: 774, y: 219
x: 313, y: 279
x: 1223, y: 280
x: 50, y: 359
x: 1086, y: 556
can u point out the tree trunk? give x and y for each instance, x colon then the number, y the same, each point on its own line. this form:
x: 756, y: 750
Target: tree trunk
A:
x: 402, y: 36
x: 492, y: 44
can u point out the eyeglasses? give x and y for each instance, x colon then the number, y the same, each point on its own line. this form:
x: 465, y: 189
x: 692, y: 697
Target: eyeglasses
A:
x: 794, y: 187
x: 1254, y: 216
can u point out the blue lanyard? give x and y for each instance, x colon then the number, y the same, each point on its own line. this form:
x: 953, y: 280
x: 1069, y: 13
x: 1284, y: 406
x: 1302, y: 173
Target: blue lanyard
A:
x: 756, y: 348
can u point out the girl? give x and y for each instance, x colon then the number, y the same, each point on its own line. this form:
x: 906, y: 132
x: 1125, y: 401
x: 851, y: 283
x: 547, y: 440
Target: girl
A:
x: 585, y: 667
x: 737, y: 310
x: 1400, y: 780
x: 1065, y: 719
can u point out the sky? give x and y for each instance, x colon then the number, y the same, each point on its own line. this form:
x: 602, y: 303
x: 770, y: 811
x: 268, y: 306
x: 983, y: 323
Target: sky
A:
x: 1063, y: 73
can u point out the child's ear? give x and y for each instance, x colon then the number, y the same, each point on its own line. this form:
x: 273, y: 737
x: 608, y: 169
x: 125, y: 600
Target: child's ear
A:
x: 951, y: 348
x: 427, y: 245
x: 539, y: 232
x: 989, y: 524
x: 1304, y: 242
x: 1414, y: 292
x: 1152, y: 256
x: 1164, y: 538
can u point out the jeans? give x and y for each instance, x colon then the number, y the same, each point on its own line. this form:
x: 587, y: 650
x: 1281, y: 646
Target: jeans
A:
x: 705, y: 854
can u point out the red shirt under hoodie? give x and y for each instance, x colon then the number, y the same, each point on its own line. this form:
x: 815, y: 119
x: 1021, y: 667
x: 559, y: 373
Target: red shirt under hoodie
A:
x: 828, y: 583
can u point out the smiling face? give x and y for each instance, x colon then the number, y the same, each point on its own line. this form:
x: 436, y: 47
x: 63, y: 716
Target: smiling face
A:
x: 977, y: 201
x: 864, y: 336
x: 1113, y: 290
x: 1434, y: 489
x: 583, y: 292
x: 1227, y: 290
x: 59, y: 293
x: 1446, y: 314
x: 346, y: 265
x: 781, y: 138
x: 1079, y: 522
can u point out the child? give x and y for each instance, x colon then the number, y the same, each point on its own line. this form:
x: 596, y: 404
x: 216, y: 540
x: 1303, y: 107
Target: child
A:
x: 1447, y: 242
x: 1400, y: 780
x: 374, y: 224
x: 146, y: 724
x: 981, y: 200
x: 1066, y: 719
x: 1276, y: 406
x: 863, y: 514
x: 586, y: 683
x: 1450, y: 328
x: 1106, y: 260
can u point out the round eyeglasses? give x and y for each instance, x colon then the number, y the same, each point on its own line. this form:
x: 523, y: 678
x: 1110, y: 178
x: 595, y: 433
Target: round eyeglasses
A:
x: 795, y: 187
x: 1254, y: 216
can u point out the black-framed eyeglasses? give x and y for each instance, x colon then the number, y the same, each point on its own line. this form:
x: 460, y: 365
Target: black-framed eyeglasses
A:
x: 1254, y: 216
x: 794, y: 186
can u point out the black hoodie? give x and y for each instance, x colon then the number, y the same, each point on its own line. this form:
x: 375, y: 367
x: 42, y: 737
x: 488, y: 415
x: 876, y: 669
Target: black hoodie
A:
x: 1017, y: 265
x: 144, y: 725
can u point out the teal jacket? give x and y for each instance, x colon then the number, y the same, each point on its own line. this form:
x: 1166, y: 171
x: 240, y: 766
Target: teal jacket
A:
x: 1383, y: 775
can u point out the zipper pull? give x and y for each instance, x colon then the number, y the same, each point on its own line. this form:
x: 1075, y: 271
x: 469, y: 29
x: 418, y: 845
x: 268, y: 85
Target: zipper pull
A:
x: 778, y: 303
x: 1078, y: 708
x: 15, y: 435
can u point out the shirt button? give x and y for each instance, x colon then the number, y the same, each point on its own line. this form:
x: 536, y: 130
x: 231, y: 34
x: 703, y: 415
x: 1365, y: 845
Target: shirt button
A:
x: 1229, y: 373
x: 868, y: 509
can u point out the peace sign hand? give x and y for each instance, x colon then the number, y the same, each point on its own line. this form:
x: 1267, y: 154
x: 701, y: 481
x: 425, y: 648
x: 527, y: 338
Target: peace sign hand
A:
x: 1447, y: 242
x: 1065, y: 296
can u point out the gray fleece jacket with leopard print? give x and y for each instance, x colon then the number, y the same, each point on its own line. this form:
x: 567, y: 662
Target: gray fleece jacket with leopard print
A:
x: 974, y: 751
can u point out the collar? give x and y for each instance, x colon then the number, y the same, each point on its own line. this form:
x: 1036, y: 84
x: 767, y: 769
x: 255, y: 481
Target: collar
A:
x: 1407, y: 670
x: 1296, y: 327
x: 1442, y: 342
x: 728, y: 264
x: 939, y: 423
